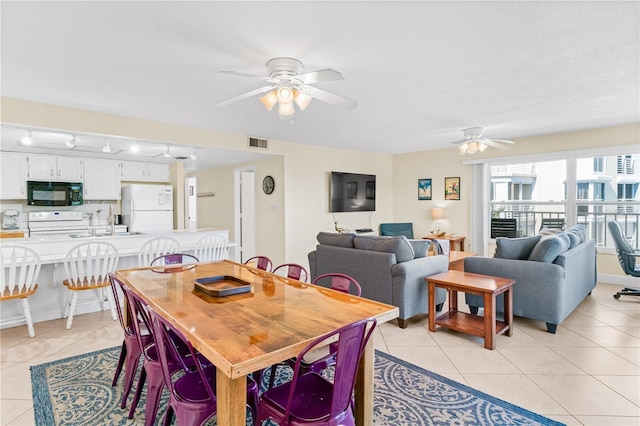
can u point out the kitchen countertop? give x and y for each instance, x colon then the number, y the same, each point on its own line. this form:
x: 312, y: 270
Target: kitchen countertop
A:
x: 53, y: 248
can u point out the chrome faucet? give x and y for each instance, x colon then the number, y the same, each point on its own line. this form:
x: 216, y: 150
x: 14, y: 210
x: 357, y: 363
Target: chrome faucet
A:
x: 111, y: 227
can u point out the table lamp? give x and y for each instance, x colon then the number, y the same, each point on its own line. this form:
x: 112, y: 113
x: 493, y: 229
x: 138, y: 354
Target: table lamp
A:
x: 437, y: 214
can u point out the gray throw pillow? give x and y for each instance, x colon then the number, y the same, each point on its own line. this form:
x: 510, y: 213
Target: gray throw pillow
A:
x: 420, y: 247
x: 515, y: 248
x: 399, y: 246
x: 549, y: 248
x: 579, y: 230
x: 575, y: 238
x: 338, y: 240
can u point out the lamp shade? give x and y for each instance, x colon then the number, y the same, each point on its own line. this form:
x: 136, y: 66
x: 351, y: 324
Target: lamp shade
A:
x: 437, y: 213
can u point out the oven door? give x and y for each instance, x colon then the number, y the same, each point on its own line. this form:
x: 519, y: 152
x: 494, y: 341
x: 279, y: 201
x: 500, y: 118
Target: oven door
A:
x: 54, y: 193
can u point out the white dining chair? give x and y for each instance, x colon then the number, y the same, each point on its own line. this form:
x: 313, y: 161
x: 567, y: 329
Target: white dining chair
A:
x: 211, y: 248
x: 21, y: 270
x: 155, y: 248
x: 88, y: 266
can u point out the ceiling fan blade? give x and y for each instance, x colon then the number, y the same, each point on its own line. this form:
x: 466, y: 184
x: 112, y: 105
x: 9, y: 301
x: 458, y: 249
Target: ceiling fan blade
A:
x: 458, y: 142
x: 321, y: 75
x: 242, y: 74
x: 259, y: 91
x: 332, y: 98
x: 502, y: 141
x: 493, y: 143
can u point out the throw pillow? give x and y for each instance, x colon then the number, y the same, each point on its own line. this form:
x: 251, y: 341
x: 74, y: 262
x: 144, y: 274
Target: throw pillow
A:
x: 515, y: 248
x: 338, y: 240
x: 399, y: 246
x: 549, y: 231
x: 575, y: 237
x: 420, y: 247
x: 579, y: 230
x: 549, y: 248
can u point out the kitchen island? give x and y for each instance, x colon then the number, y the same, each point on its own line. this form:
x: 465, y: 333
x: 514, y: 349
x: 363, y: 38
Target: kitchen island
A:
x: 49, y: 301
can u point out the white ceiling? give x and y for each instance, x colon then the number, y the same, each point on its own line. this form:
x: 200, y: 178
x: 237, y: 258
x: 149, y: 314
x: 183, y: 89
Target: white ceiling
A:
x: 421, y: 71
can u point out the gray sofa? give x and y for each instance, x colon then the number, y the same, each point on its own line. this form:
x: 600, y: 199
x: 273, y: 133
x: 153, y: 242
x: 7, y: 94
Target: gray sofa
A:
x: 389, y: 269
x: 553, y: 274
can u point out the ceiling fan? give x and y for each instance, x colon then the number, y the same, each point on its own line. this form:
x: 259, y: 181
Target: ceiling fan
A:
x: 289, y: 85
x: 474, y: 142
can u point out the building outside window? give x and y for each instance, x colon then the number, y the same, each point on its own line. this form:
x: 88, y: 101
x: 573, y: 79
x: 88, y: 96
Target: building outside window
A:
x: 606, y: 188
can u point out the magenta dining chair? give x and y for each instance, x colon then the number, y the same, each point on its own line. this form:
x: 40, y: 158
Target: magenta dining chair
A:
x: 309, y: 398
x: 192, y: 396
x: 293, y: 271
x: 320, y: 358
x: 341, y: 282
x: 261, y: 262
x: 130, y: 352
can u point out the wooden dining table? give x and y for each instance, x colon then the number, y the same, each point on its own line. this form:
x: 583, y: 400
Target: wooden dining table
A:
x: 247, y: 332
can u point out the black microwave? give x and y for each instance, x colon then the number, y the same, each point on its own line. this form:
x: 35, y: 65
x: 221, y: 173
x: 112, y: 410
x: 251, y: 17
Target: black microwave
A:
x: 54, y: 193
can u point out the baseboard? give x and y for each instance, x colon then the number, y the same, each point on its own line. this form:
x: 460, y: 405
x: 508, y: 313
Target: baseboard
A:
x: 619, y: 280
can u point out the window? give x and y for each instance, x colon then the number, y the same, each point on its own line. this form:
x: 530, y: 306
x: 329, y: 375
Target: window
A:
x: 603, y: 188
x: 598, y: 164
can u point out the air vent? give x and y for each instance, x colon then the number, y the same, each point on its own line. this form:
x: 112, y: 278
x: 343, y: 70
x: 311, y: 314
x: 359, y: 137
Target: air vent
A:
x: 258, y: 143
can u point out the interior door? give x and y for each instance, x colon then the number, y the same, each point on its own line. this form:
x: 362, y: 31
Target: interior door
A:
x: 246, y: 217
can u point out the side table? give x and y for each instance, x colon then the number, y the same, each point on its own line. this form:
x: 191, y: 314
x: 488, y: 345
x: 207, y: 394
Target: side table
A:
x: 482, y: 285
x: 452, y: 240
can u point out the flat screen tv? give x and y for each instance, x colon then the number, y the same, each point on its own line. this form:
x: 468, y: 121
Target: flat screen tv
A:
x: 353, y: 192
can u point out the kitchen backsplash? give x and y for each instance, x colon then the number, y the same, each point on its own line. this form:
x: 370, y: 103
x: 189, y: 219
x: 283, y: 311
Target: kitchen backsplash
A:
x: 88, y: 207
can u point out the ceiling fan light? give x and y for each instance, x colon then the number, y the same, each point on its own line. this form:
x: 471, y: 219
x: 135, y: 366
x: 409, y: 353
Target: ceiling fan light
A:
x: 269, y: 100
x: 473, y: 148
x: 463, y: 148
x: 301, y: 98
x: 285, y: 94
x: 482, y: 146
x: 286, y: 109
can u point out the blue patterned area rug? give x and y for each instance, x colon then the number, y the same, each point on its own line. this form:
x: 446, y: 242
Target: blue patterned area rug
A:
x: 78, y: 391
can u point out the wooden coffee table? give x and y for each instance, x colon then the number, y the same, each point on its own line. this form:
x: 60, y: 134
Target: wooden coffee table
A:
x: 482, y: 285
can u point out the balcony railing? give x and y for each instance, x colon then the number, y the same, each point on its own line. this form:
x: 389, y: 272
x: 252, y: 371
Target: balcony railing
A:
x: 593, y: 214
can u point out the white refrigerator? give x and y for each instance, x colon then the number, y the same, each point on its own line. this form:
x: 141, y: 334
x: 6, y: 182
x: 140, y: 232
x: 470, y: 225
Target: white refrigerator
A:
x: 147, y: 208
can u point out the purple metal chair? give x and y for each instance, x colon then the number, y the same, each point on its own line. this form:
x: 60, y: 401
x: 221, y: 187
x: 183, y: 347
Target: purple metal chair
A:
x: 293, y: 271
x: 341, y: 282
x: 310, y: 399
x: 192, y: 396
x: 151, y: 367
x: 321, y: 357
x: 262, y: 262
x: 130, y: 352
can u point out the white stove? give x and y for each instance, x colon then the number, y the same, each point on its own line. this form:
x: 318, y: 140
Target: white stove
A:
x: 56, y: 223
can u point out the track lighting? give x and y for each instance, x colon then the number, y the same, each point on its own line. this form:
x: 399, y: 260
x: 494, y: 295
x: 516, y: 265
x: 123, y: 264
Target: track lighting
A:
x: 194, y: 156
x: 106, y: 147
x: 134, y: 148
x: 27, y: 140
x: 71, y: 143
x: 167, y: 153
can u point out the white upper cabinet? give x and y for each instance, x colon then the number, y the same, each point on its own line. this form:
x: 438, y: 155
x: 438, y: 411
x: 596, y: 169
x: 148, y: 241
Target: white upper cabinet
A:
x: 51, y: 167
x: 101, y: 179
x: 13, y: 176
x: 70, y: 169
x: 146, y: 172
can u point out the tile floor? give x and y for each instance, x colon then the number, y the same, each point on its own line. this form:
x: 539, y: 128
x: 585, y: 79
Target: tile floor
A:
x: 588, y: 373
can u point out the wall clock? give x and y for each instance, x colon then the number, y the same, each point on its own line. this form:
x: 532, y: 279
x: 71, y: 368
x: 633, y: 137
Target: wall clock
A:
x: 268, y: 185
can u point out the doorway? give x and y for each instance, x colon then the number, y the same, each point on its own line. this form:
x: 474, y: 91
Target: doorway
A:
x: 245, y: 217
x: 190, y: 203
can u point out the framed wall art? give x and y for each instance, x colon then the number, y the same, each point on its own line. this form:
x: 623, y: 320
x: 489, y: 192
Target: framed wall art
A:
x: 424, y: 189
x: 452, y: 188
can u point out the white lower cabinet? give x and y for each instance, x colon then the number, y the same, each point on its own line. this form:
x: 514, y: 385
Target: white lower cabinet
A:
x: 101, y: 179
x: 13, y: 176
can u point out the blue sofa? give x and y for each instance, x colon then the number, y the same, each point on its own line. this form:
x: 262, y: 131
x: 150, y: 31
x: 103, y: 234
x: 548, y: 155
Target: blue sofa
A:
x: 553, y: 274
x: 389, y: 269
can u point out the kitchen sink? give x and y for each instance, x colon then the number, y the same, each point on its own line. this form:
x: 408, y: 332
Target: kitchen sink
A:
x: 124, y: 234
x: 82, y: 235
